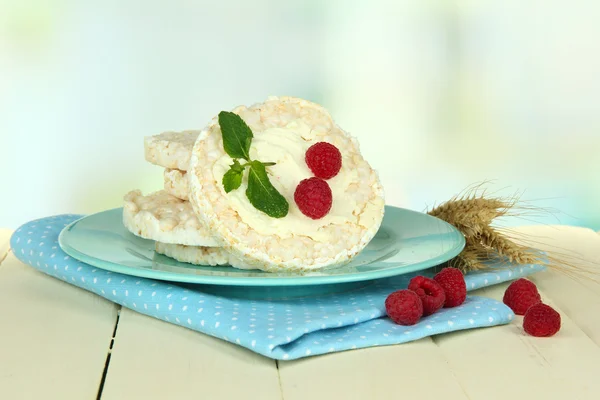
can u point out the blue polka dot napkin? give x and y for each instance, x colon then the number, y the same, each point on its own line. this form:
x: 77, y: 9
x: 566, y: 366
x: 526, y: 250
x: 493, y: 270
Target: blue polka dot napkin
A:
x: 279, y: 329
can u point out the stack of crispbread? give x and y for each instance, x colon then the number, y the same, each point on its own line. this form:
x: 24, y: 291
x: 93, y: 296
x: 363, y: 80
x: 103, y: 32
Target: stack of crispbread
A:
x: 166, y: 216
x: 194, y: 219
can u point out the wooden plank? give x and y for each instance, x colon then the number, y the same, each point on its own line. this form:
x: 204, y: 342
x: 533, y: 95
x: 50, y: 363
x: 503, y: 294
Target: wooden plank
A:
x: 368, y: 373
x: 577, y: 297
x: 54, y: 336
x: 152, y: 359
x: 413, y: 370
x: 578, y: 246
x: 4, y: 242
x: 504, y: 362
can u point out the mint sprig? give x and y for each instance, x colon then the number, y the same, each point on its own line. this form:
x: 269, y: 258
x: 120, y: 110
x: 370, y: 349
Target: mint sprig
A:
x: 262, y: 194
x: 237, y: 139
x: 237, y: 136
x: 233, y: 178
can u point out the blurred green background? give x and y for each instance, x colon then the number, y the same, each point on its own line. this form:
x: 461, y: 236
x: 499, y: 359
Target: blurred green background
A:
x: 440, y: 94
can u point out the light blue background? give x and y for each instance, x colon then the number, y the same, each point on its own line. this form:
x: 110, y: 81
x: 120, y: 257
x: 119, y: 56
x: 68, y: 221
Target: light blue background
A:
x: 440, y: 94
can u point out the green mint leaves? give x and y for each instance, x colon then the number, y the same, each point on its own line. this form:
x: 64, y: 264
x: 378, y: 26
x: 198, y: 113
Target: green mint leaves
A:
x: 262, y: 194
x: 233, y: 178
x: 237, y: 138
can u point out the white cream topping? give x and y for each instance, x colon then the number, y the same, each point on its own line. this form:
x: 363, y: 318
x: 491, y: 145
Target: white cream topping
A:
x: 286, y: 146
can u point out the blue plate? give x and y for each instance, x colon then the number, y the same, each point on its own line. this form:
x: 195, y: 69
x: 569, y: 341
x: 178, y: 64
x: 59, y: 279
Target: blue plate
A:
x: 407, y: 241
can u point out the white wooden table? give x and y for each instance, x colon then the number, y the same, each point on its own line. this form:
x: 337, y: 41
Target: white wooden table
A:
x: 61, y: 342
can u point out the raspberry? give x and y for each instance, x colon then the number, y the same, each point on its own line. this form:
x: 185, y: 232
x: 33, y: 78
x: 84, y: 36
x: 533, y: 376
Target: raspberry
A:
x: 313, y: 197
x: 404, y: 307
x: 431, y: 293
x: 324, y: 160
x: 520, y: 295
x: 453, y: 283
x: 541, y: 320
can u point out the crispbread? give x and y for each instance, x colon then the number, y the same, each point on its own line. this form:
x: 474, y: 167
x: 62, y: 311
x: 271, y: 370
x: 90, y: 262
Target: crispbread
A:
x: 170, y: 149
x: 199, y: 255
x: 176, y: 183
x: 335, y: 243
x: 162, y: 217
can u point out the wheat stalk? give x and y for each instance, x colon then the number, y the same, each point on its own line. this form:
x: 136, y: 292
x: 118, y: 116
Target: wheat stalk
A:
x: 473, y: 213
x: 504, y: 247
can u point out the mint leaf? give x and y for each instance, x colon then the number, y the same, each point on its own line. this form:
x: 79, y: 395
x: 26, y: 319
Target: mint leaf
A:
x: 233, y: 178
x: 262, y: 194
x: 237, y: 136
x: 237, y: 139
x: 237, y: 166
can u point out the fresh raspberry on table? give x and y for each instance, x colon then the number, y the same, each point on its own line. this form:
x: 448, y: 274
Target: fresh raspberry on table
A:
x: 324, y: 160
x: 404, y: 307
x: 313, y: 197
x: 541, y: 320
x: 520, y: 295
x: 431, y: 293
x: 453, y: 283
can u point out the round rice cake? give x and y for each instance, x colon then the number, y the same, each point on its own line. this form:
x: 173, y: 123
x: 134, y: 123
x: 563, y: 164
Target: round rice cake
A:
x: 283, y: 129
x: 199, y: 255
x: 165, y: 218
x: 170, y: 149
x: 176, y: 183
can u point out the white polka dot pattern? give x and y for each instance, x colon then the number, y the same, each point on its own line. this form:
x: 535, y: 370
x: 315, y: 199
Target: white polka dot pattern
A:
x: 280, y: 329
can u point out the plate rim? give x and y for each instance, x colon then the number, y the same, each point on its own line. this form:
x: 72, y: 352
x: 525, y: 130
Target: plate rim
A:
x: 259, y: 281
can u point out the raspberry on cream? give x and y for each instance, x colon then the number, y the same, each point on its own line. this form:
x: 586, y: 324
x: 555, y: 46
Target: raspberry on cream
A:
x: 313, y: 197
x: 324, y: 160
x: 286, y: 147
x: 244, y: 170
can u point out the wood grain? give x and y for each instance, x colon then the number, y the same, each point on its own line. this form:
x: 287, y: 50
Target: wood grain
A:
x: 153, y: 359
x: 54, y: 336
x: 59, y: 338
x: 504, y: 362
x: 416, y: 370
x: 4, y: 243
x: 577, y: 297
